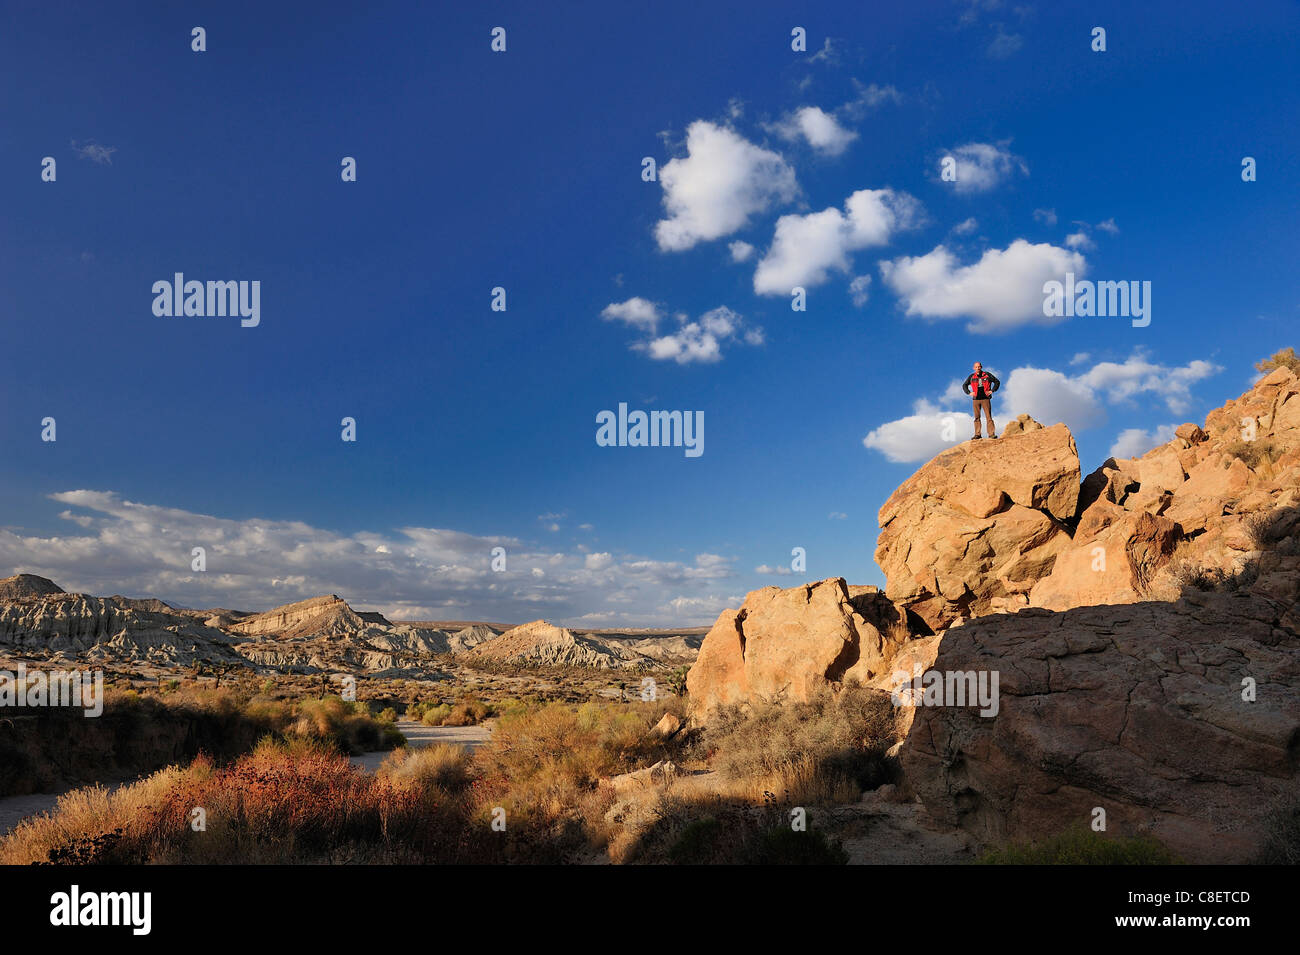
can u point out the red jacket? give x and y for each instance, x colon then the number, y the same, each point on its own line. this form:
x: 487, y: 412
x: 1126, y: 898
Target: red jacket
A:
x: 983, y: 383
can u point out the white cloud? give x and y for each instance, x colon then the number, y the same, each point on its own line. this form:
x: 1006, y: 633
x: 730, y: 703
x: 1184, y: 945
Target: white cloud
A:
x: 1135, y: 442
x: 858, y: 290
x: 636, y: 312
x: 806, y: 248
x: 1138, y: 376
x: 1080, y: 240
x: 1108, y: 226
x: 966, y: 227
x: 780, y: 570
x: 95, y: 152
x: 818, y: 128
x: 1050, y: 397
x: 920, y: 435
x: 1004, y: 44
x: 1046, y: 216
x: 1002, y: 291
x: 982, y: 166
x: 714, y: 190
x: 1080, y: 357
x: 830, y: 52
x: 837, y: 516
x: 867, y: 99
x: 701, y: 340
x: 412, y: 573
x: 741, y: 251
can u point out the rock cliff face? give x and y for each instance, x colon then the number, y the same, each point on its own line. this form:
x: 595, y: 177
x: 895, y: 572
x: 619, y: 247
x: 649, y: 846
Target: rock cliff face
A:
x: 109, y: 628
x: 1137, y: 709
x: 1143, y: 626
x: 973, y: 530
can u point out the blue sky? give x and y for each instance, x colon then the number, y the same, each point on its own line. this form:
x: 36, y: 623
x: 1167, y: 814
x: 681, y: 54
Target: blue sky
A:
x: 523, y: 169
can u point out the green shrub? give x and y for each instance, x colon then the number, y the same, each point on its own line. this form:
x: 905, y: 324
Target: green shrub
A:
x: 1082, y: 846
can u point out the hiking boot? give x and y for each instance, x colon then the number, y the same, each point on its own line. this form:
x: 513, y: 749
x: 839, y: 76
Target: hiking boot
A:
x: 977, y: 437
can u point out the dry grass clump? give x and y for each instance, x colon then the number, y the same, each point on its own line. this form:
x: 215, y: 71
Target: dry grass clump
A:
x: 1258, y: 455
x: 441, y: 766
x: 828, y: 750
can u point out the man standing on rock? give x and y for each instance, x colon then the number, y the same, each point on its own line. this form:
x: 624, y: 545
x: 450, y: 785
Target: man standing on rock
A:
x: 984, y: 384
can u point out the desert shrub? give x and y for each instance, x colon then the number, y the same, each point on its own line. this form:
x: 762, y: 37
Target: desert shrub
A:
x: 1286, y: 358
x: 1281, y: 845
x: 1188, y: 575
x: 388, y: 715
x: 829, y: 749
x: 436, y: 715
x: 286, y: 801
x: 781, y: 845
x: 442, y: 765
x: 1253, y: 454
x: 698, y: 842
x: 1081, y: 846
x: 347, y: 724
x: 732, y: 835
x: 468, y: 712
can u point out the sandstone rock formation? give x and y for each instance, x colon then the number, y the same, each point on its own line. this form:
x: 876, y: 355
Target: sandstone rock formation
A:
x: 1137, y: 709
x: 543, y: 644
x: 318, y: 617
x: 788, y: 644
x: 1210, y: 507
x: 1165, y: 591
x: 27, y: 585
x: 97, y: 629
x: 974, y: 529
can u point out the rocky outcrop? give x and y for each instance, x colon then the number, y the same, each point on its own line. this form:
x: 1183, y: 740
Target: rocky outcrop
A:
x: 973, y: 530
x: 109, y: 629
x: 318, y: 617
x: 1214, y: 507
x: 20, y: 586
x: 789, y: 644
x: 540, y: 643
x: 1139, y: 709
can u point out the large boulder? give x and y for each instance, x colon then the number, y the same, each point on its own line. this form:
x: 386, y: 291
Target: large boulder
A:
x: 1135, y: 709
x: 789, y: 644
x: 1111, y: 559
x: 975, y: 528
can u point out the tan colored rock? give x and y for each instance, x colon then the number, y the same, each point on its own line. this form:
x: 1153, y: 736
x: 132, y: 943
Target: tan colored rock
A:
x: 789, y: 644
x: 1108, y: 482
x: 1161, y: 468
x: 667, y: 727
x: 980, y: 521
x: 1022, y: 424
x: 1112, y: 559
x: 540, y: 643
